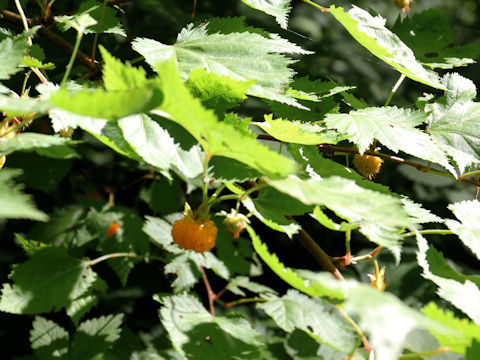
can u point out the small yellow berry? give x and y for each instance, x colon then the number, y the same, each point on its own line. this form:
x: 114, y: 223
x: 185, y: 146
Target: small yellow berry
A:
x: 190, y: 234
x: 367, y: 165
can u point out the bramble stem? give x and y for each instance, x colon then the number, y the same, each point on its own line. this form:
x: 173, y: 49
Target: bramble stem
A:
x: 357, y: 329
x: 430, y: 231
x: 321, y: 8
x: 210, y: 293
x: 441, y: 350
x: 331, y: 149
x: 476, y: 172
x: 24, y: 19
x: 394, y: 89
x: 72, y: 58
x: 317, y: 252
x: 97, y: 33
x: 110, y: 256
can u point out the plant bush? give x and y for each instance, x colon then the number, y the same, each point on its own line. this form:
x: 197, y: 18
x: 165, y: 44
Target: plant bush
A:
x: 343, y: 229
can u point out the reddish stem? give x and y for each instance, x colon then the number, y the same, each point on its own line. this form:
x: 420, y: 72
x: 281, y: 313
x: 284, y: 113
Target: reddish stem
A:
x: 210, y: 293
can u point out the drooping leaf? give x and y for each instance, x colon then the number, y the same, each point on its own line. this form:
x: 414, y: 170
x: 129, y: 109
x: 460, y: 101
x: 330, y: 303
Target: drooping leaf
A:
x: 466, y: 330
x: 418, y: 31
x: 196, y: 334
x: 323, y: 219
x: 463, y: 294
x: 13, y: 203
x: 393, y: 127
x: 48, y: 145
x: 241, y: 56
x: 454, y: 120
x: 468, y: 229
x: 277, y: 8
x: 50, y: 281
x: 215, y: 137
x: 371, y: 32
x: 319, y: 319
x: 95, y: 336
x: 155, y: 146
x: 419, y: 214
x: 379, y: 216
x: 48, y: 340
x: 298, y: 133
x: 80, y: 22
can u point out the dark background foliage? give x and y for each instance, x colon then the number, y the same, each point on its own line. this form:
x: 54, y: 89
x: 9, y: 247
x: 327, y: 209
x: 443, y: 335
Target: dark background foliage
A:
x: 89, y: 181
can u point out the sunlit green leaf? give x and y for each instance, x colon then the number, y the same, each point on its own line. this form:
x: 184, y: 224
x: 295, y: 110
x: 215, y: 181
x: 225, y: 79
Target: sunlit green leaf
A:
x: 215, y: 137
x: 48, y: 340
x: 241, y: 56
x: 371, y: 32
x: 277, y: 8
x: 468, y: 229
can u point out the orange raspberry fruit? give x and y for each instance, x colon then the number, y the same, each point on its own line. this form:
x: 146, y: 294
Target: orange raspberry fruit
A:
x: 196, y: 235
x: 367, y: 165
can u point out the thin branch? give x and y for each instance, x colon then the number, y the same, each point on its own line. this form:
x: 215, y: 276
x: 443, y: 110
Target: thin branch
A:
x: 331, y: 149
x: 210, y: 293
x: 317, y: 252
x: 50, y: 36
x: 394, y: 89
x: 359, y: 331
x: 110, y: 256
x: 321, y: 8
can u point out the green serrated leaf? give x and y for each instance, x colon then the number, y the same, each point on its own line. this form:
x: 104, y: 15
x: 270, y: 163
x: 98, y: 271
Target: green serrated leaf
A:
x: 95, y: 336
x: 30, y: 246
x: 241, y: 56
x: 319, y: 319
x: 29, y: 61
x: 119, y: 76
x: 277, y: 8
x: 196, y: 334
x: 454, y: 120
x: 393, y: 127
x: 324, y: 285
x: 217, y: 92
x: 99, y: 103
x: 297, y: 132
x: 466, y: 330
x: 463, y: 294
x: 48, y: 340
x: 15, y: 106
x: 418, y: 213
x: 379, y: 216
x: 323, y: 219
x: 473, y: 352
x: 371, y: 32
x: 12, y: 49
x: 49, y: 281
x: 48, y: 145
x: 381, y: 314
x: 468, y: 229
x: 180, y: 106
x: 13, y: 203
x: 156, y: 147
